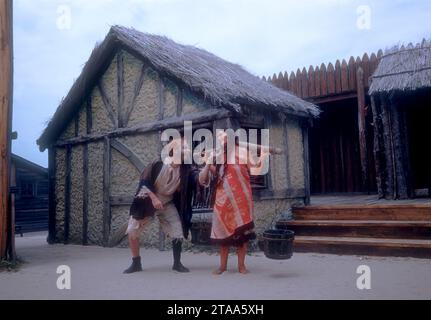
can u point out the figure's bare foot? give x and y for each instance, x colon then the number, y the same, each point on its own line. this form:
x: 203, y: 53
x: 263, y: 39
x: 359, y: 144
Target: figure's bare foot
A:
x: 219, y: 271
x: 243, y: 270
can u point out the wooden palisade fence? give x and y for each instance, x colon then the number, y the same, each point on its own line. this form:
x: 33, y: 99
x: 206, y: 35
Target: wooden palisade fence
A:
x: 327, y: 80
x: 335, y: 82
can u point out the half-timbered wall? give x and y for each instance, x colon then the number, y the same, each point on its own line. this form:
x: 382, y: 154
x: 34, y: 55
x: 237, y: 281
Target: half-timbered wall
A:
x: 116, y: 133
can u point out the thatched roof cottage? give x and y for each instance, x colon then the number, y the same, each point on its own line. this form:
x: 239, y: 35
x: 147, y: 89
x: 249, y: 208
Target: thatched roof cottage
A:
x: 401, y: 96
x: 134, y: 86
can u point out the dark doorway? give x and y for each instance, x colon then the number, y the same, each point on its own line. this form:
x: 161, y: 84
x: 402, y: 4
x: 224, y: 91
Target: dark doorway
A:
x: 419, y: 132
x: 334, y: 150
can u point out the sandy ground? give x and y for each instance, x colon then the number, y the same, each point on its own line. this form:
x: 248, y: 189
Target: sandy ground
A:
x: 97, y: 274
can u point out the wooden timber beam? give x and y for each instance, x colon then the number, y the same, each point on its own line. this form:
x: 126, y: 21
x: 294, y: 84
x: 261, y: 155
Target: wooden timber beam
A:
x: 120, y: 87
x: 138, y: 86
x: 362, y: 112
x: 51, y: 197
x: 108, y: 104
x: 306, y: 146
x: 6, y: 87
x: 378, y: 146
x: 390, y: 180
x: 129, y: 154
x: 199, y: 117
x: 106, y: 191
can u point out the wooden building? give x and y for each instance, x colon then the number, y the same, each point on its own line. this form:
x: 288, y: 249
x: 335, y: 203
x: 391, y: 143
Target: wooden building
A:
x: 134, y: 86
x: 342, y: 139
x: 368, y: 148
x: 401, y: 100
x: 31, y: 197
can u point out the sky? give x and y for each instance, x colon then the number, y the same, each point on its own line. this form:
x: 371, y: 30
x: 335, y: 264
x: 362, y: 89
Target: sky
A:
x: 54, y: 38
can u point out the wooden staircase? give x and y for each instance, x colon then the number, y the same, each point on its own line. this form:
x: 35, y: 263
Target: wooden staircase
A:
x: 380, y: 230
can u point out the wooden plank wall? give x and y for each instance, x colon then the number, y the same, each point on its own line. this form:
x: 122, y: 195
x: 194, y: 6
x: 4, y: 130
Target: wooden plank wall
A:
x: 328, y: 79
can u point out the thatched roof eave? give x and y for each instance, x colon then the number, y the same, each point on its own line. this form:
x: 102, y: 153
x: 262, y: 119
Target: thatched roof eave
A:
x: 403, y: 69
x: 222, y: 83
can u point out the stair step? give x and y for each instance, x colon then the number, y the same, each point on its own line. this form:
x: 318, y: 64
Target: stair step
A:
x: 359, y: 228
x: 408, y: 212
x: 364, y: 246
x: 356, y: 223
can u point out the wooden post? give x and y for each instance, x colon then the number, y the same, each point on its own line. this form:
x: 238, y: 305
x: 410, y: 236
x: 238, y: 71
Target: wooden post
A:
x: 267, y: 124
x: 362, y: 127
x: 378, y: 144
x: 400, y: 150
x: 307, y: 185
x: 6, y: 87
x: 51, y: 196
x: 106, y: 191
x: 120, y: 85
x: 11, y: 236
x: 387, y: 148
x: 286, y: 149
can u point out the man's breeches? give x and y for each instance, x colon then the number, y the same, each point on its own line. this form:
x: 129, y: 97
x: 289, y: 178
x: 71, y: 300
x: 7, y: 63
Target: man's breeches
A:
x: 168, y: 218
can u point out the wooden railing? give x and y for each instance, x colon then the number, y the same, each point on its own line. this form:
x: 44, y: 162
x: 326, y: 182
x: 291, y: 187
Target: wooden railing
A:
x: 201, y: 199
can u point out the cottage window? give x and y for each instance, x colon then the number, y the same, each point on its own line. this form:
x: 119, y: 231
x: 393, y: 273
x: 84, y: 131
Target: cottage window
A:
x: 28, y: 189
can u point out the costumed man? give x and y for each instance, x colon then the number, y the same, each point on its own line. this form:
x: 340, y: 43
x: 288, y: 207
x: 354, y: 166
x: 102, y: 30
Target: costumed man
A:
x: 165, y: 192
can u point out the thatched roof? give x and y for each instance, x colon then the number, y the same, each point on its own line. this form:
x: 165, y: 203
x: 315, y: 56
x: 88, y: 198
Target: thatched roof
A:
x: 403, y: 69
x: 223, y: 83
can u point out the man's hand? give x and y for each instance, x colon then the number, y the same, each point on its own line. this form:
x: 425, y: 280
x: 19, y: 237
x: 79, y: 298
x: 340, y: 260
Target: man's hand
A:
x: 157, y: 203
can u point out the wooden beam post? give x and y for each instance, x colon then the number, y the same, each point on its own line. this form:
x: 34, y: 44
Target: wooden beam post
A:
x: 106, y: 191
x: 307, y: 184
x: 51, y: 196
x: 362, y: 127
x: 120, y: 87
x: 267, y: 124
x: 378, y: 146
x: 400, y: 150
x: 6, y: 87
x: 390, y: 188
x: 286, y: 149
x: 11, y: 253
